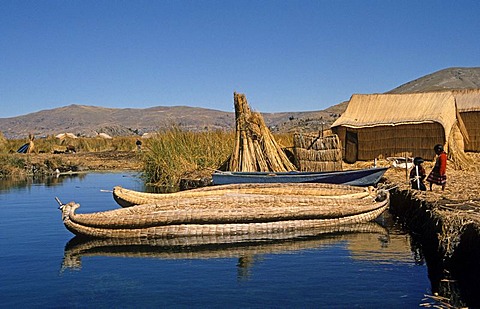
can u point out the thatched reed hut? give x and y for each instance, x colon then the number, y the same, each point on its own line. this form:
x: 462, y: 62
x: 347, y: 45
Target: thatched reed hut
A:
x: 317, y: 152
x: 468, y: 105
x: 390, y: 125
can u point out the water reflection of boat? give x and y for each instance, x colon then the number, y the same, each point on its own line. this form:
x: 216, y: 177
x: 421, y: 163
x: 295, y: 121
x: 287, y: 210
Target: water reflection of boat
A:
x: 244, y: 247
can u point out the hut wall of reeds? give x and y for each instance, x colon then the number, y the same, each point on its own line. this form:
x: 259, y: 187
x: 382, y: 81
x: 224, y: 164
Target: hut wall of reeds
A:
x: 389, y: 125
x: 255, y: 148
x: 317, y: 152
x: 468, y: 105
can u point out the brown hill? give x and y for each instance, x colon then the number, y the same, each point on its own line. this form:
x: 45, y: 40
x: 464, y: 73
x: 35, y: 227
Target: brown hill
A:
x: 447, y: 79
x: 85, y: 120
x: 89, y: 120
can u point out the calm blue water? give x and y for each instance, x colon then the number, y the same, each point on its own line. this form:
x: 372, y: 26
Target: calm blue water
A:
x: 39, y: 270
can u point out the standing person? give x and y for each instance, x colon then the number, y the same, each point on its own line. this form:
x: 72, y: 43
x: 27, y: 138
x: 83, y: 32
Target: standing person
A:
x: 418, y: 175
x: 438, y: 174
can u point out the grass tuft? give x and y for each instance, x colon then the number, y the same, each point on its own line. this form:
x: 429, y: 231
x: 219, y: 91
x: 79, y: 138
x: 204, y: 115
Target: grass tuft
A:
x: 173, y: 154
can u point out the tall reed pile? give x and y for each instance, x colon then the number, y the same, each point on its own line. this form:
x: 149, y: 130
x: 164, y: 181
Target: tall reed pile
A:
x: 175, y: 153
x: 255, y: 147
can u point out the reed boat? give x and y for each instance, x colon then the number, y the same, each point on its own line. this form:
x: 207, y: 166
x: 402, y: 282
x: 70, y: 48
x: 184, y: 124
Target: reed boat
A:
x: 126, y: 197
x: 361, y: 177
x: 224, y: 214
x: 243, y: 247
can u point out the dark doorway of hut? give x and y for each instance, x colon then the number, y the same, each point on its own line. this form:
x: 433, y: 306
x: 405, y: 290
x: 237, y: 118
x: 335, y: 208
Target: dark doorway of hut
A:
x: 351, y: 147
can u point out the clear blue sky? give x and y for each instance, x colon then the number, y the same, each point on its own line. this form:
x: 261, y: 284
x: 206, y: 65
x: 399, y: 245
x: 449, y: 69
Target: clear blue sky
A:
x: 284, y: 55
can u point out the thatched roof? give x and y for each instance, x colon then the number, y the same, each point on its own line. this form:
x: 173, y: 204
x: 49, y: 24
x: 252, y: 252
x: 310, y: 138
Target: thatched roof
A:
x: 467, y: 100
x: 371, y: 110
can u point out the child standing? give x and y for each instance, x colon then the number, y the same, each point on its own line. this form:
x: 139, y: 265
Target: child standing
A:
x: 417, y: 175
x: 438, y: 174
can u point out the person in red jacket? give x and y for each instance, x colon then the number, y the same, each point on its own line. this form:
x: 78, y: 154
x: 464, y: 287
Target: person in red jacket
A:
x: 438, y: 174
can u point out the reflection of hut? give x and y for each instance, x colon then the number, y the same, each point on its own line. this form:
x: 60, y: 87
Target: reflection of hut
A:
x: 390, y: 125
x: 468, y: 105
x: 317, y: 153
x: 255, y: 148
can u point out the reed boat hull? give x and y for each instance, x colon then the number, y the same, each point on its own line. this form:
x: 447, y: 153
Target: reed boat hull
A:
x: 211, y: 216
x: 126, y: 198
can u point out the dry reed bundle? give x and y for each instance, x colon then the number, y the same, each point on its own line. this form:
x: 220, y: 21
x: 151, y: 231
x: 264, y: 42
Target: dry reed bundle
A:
x: 209, y: 229
x: 317, y: 153
x: 126, y: 198
x: 255, y: 148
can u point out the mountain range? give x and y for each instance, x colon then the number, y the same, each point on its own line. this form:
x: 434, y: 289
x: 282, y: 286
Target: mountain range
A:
x: 85, y: 120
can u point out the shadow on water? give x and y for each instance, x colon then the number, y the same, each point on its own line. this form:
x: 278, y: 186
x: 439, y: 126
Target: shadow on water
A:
x: 454, y: 279
x: 454, y: 282
x: 464, y: 267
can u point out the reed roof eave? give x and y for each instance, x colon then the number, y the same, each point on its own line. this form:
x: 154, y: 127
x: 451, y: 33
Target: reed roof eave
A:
x: 467, y: 100
x: 373, y: 125
x: 368, y: 110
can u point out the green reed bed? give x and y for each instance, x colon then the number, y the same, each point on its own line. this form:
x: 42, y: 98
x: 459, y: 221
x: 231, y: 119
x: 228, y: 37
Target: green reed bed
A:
x: 174, y: 154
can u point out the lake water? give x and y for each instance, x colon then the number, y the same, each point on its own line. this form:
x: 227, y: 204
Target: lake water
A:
x: 43, y: 266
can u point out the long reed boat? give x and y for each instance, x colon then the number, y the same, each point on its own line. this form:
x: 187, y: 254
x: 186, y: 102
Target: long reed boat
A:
x: 126, y: 197
x: 224, y: 214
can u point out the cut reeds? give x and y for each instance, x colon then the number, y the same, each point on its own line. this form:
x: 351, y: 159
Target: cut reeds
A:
x: 255, y: 148
x: 317, y: 153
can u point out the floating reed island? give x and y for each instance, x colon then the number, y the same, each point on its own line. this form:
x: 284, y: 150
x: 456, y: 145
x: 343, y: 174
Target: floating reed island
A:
x: 452, y: 210
x: 231, y: 212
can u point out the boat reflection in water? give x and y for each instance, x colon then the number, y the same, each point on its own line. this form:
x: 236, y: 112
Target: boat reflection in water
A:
x: 247, y: 248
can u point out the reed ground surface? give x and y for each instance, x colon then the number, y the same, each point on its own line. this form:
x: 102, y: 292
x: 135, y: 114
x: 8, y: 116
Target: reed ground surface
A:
x: 463, y: 186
